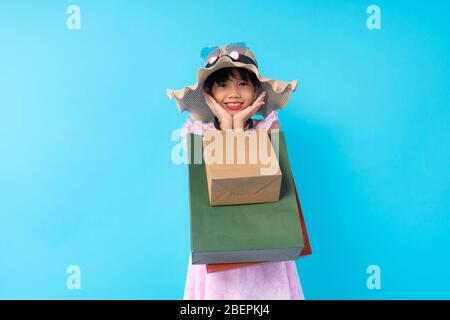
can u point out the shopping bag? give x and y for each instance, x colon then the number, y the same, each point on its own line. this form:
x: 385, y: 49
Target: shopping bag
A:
x: 243, y: 233
x: 210, y: 268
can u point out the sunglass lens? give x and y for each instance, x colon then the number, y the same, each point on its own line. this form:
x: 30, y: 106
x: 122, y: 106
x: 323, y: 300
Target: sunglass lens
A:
x: 212, y: 59
x: 234, y: 55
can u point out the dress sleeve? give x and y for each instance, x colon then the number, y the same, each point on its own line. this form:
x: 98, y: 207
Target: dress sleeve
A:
x: 195, y: 127
x: 267, y: 121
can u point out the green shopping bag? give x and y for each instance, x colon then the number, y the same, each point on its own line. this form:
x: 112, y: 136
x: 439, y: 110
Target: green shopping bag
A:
x: 242, y: 233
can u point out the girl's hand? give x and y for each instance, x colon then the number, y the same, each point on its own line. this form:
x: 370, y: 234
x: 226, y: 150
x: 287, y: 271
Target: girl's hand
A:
x: 225, y: 119
x: 242, y: 116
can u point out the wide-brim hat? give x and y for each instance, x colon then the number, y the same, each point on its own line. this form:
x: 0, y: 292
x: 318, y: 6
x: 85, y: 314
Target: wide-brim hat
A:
x: 191, y: 98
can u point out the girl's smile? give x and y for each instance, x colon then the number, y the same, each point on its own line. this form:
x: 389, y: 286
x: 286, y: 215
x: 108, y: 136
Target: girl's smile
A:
x: 233, y: 106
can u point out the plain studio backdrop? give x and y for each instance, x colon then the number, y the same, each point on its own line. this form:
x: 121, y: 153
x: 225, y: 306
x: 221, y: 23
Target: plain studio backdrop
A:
x: 87, y: 184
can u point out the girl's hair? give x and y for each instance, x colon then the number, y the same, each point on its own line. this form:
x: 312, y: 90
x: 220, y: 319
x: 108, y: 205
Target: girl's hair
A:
x: 222, y: 75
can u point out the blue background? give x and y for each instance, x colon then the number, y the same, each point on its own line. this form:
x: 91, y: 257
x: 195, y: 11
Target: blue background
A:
x: 86, y: 176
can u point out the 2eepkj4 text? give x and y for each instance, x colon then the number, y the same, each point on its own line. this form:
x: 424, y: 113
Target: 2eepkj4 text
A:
x: 228, y: 309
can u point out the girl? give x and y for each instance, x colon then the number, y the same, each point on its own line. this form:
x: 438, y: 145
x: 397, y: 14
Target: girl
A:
x: 229, y: 92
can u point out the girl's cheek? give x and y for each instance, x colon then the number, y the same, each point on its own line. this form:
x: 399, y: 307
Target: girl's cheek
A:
x: 251, y: 99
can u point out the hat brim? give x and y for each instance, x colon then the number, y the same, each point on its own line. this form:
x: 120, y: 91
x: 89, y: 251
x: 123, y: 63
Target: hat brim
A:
x: 191, y: 98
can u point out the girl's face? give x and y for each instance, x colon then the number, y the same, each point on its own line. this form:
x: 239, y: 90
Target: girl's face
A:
x: 235, y: 94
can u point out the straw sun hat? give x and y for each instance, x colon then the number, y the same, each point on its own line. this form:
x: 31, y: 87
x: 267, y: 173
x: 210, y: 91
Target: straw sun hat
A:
x: 238, y: 55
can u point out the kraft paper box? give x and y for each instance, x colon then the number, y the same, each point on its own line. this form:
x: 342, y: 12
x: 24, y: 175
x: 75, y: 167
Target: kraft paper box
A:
x: 241, y: 167
x: 257, y: 232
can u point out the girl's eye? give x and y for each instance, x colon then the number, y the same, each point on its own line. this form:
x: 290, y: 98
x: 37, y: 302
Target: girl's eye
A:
x: 244, y: 84
x: 221, y: 84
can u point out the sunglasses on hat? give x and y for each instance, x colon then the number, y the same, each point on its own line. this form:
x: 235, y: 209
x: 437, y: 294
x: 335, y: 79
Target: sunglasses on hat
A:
x: 235, y: 51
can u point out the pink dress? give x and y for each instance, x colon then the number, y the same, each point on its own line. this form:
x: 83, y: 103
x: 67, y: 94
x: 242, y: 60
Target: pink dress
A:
x: 268, y: 281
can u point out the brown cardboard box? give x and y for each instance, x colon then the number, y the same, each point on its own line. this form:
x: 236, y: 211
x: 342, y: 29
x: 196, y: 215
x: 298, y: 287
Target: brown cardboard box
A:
x: 241, y: 167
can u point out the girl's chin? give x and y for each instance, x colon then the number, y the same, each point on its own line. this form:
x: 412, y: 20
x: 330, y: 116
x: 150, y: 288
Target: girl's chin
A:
x: 233, y: 111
